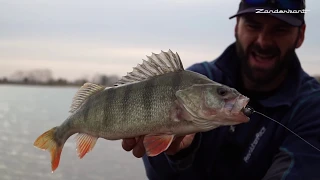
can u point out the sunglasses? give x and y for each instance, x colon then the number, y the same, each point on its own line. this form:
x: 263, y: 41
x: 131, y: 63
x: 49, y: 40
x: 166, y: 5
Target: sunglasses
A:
x: 281, y: 4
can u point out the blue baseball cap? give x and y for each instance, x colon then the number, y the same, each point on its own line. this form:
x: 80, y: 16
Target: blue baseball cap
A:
x: 289, y: 11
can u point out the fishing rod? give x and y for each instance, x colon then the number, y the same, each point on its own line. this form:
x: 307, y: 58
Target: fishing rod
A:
x: 248, y: 111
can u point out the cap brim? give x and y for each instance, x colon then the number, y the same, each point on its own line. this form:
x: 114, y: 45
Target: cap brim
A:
x: 281, y: 16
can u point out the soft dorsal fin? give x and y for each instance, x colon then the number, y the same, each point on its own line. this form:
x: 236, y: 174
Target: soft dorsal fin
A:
x: 156, y: 64
x: 83, y: 93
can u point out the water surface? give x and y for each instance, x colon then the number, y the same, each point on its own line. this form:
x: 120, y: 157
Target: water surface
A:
x: 25, y: 113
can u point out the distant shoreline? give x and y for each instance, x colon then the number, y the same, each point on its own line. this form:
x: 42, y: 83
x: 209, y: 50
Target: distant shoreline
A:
x: 64, y: 83
x: 40, y: 84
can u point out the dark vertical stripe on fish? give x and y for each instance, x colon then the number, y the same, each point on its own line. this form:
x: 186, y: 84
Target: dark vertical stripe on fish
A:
x: 86, y: 110
x: 147, y: 97
x: 125, y: 102
x: 176, y: 81
x: 109, y: 100
x: 69, y: 124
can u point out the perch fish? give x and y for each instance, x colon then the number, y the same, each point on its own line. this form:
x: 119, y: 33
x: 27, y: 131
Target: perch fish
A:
x: 159, y: 100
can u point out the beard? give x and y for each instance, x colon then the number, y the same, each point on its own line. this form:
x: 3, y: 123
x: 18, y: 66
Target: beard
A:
x: 265, y: 76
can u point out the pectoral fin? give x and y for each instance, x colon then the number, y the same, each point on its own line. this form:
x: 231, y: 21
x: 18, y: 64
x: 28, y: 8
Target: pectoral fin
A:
x: 156, y: 144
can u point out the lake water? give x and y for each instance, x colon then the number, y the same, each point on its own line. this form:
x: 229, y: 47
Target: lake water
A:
x: 28, y: 111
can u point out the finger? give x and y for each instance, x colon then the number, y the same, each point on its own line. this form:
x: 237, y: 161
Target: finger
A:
x: 128, y: 144
x: 175, y: 146
x: 186, y: 142
x: 180, y: 143
x: 139, y: 150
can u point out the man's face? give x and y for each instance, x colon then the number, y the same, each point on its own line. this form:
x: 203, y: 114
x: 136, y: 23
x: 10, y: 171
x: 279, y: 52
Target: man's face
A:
x: 265, y: 46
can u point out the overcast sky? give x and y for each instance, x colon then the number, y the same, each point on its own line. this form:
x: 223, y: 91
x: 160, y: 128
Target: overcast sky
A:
x: 77, y: 38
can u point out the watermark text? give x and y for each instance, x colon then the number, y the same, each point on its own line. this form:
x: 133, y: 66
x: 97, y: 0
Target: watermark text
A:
x: 281, y: 11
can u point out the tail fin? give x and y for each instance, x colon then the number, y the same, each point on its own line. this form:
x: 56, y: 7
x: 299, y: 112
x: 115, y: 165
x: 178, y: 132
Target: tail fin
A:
x: 46, y: 141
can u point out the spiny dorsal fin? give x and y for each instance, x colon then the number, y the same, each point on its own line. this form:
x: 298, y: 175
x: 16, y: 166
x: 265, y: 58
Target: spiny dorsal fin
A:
x: 156, y: 64
x: 83, y: 93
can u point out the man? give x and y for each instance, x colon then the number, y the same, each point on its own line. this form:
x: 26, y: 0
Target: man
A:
x: 263, y: 65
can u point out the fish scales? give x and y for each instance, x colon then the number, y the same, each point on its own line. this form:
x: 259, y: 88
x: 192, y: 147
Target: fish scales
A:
x: 135, y: 109
x: 146, y: 109
x: 158, y: 99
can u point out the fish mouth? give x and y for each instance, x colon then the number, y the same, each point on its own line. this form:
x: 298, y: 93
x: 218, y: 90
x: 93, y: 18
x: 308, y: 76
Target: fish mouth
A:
x: 235, y: 106
x: 232, y: 110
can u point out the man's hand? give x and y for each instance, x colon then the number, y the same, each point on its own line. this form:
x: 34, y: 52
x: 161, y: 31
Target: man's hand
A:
x: 138, y: 150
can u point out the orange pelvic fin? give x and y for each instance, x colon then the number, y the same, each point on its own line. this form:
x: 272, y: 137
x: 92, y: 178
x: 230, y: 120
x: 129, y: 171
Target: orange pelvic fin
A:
x: 156, y: 144
x: 85, y: 143
x: 46, y: 141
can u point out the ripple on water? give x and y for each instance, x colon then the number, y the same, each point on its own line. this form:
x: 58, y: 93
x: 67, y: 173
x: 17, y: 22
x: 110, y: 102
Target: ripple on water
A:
x: 6, y: 124
x: 13, y: 152
x: 42, y: 157
x: 4, y: 106
x: 2, y: 166
x: 18, y: 172
x: 4, y: 138
x: 5, y: 131
x: 20, y: 140
x: 69, y: 145
x: 6, y: 177
x: 25, y: 132
x: 13, y: 119
x: 27, y: 109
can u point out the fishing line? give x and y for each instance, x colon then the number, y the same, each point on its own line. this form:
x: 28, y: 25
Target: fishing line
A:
x: 248, y: 111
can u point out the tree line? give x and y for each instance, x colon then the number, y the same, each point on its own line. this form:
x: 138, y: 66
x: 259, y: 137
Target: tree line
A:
x: 45, y: 77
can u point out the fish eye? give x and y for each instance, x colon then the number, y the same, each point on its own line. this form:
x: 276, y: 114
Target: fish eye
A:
x: 222, y: 91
